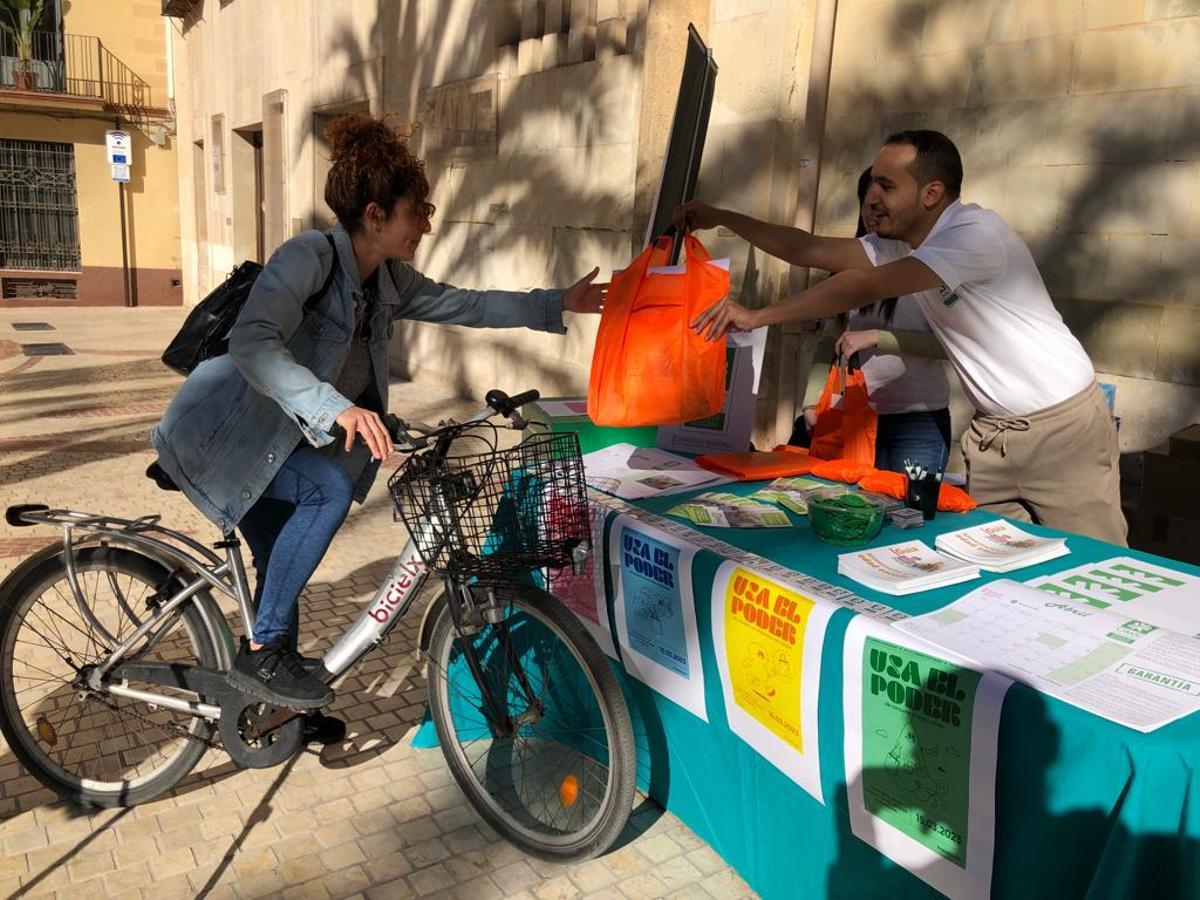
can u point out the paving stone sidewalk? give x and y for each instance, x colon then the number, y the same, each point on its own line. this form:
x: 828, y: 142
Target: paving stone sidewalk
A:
x: 372, y: 818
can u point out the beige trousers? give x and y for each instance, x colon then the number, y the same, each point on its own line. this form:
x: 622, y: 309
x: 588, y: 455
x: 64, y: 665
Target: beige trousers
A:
x: 1057, y: 467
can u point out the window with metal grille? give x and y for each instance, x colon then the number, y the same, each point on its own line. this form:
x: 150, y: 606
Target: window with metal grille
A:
x: 39, y: 214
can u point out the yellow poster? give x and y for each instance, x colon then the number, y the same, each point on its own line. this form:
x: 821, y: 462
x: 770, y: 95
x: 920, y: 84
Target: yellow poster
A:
x: 764, y: 646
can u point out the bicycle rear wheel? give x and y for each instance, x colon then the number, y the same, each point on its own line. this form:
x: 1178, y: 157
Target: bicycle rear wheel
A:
x: 90, y: 747
x: 550, y: 762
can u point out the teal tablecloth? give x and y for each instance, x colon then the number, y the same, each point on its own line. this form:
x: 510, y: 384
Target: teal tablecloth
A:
x: 1084, y: 807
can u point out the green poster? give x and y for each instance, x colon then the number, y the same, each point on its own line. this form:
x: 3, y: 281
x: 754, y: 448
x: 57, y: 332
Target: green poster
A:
x: 916, y: 733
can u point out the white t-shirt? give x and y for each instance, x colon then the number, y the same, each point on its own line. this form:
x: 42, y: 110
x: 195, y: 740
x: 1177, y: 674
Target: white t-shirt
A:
x: 1007, y: 342
x: 900, y: 383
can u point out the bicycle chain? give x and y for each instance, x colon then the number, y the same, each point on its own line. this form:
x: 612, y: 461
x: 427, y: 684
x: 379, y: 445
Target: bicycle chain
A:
x: 180, y: 729
x: 171, y: 725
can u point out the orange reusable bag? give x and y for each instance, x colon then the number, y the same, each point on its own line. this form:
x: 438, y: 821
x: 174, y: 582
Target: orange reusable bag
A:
x: 847, y: 471
x: 649, y: 367
x: 848, y: 432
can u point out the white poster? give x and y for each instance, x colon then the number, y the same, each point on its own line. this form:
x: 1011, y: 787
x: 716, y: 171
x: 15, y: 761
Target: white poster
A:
x: 656, y: 613
x: 768, y: 638
x: 583, y: 594
x: 921, y: 748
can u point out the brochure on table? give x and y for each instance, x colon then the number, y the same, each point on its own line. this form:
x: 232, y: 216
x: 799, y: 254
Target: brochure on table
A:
x: 1104, y: 661
x: 920, y: 754
x: 655, y: 610
x: 904, y: 568
x: 633, y: 473
x: 729, y: 430
x: 999, y: 546
x: 720, y: 509
x: 768, y: 638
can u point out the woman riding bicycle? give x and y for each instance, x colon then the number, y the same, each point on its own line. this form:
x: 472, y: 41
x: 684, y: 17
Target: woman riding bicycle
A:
x: 249, y: 437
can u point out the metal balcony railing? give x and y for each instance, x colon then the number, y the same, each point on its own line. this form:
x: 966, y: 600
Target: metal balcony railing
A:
x: 77, y: 65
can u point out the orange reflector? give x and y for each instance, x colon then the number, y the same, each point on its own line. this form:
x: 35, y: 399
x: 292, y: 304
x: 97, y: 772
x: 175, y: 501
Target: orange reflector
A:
x: 46, y: 731
x: 568, y: 791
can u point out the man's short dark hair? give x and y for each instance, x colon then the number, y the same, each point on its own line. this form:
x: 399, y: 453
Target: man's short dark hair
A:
x: 937, y: 159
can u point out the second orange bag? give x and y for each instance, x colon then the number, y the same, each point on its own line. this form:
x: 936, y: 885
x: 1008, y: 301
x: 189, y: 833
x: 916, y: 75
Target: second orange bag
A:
x: 847, y: 432
x: 649, y: 367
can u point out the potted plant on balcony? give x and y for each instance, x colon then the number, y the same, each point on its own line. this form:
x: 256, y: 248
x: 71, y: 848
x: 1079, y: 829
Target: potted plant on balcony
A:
x: 22, y: 18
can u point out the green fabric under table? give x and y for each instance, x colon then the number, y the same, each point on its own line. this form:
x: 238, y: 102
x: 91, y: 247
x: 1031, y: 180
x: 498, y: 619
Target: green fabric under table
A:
x: 1084, y: 807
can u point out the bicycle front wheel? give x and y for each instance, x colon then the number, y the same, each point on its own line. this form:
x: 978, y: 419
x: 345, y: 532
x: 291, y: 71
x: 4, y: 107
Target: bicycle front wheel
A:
x: 534, y: 727
x: 91, y: 747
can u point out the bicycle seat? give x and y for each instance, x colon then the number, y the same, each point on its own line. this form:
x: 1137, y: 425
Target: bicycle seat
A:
x: 156, y: 474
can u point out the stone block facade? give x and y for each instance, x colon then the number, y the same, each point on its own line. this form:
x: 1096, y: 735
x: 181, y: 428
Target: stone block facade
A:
x: 1077, y: 122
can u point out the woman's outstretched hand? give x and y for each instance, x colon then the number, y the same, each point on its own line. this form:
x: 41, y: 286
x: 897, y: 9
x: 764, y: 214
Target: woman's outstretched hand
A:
x: 584, y: 296
x: 355, y: 421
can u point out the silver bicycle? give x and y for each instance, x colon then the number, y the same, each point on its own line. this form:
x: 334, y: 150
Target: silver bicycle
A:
x: 113, y: 651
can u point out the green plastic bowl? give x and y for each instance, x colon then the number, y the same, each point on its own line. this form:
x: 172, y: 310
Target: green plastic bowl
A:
x: 845, y: 518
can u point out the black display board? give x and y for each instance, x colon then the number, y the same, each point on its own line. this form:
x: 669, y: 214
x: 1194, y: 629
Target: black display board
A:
x: 685, y: 146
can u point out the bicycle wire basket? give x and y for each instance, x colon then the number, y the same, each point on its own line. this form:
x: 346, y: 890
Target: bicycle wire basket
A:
x: 488, y: 514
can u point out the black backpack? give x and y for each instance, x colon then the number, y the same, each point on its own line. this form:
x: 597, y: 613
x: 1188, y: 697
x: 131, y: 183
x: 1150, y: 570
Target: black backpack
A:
x: 205, y: 332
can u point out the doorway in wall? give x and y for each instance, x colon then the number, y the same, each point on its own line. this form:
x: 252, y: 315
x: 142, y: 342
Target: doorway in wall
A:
x: 249, y: 217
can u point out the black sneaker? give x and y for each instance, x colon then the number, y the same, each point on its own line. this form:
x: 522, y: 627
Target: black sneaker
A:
x: 312, y: 664
x: 322, y: 729
x: 275, y: 675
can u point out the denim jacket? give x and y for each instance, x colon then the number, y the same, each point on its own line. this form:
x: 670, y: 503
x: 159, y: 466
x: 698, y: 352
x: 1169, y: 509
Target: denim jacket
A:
x: 237, y: 418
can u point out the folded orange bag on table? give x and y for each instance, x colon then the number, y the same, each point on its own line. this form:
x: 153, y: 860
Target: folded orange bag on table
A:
x: 649, y: 367
x: 759, y: 465
x: 952, y: 498
x: 849, y: 471
x: 847, y: 432
x: 890, y: 484
x: 894, y: 484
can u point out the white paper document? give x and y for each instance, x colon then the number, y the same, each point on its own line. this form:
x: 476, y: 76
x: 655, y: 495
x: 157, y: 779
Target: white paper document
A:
x: 768, y: 638
x: 920, y: 753
x: 655, y: 610
x: 633, y: 472
x: 564, y: 409
x: 1101, y: 660
x: 1132, y: 588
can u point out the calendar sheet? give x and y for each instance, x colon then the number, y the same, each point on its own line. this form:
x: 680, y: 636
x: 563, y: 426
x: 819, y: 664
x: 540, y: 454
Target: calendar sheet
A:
x: 1123, y: 669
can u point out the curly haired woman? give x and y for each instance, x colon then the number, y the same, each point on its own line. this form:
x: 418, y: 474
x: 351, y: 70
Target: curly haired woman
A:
x: 248, y: 436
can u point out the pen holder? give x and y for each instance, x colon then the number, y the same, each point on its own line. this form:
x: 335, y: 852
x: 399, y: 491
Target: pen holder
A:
x: 922, y: 494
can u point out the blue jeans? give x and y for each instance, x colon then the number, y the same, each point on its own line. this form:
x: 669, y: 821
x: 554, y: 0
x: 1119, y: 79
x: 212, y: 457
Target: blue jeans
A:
x: 288, y: 530
x: 922, y: 437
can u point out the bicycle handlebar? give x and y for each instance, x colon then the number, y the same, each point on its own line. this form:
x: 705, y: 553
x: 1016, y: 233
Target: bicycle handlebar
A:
x: 415, y: 435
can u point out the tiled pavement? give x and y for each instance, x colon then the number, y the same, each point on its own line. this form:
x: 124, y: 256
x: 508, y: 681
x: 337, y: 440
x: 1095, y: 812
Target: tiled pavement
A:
x: 373, y: 817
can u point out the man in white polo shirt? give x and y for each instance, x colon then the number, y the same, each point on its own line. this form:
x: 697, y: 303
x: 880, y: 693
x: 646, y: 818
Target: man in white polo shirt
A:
x: 1042, y: 445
